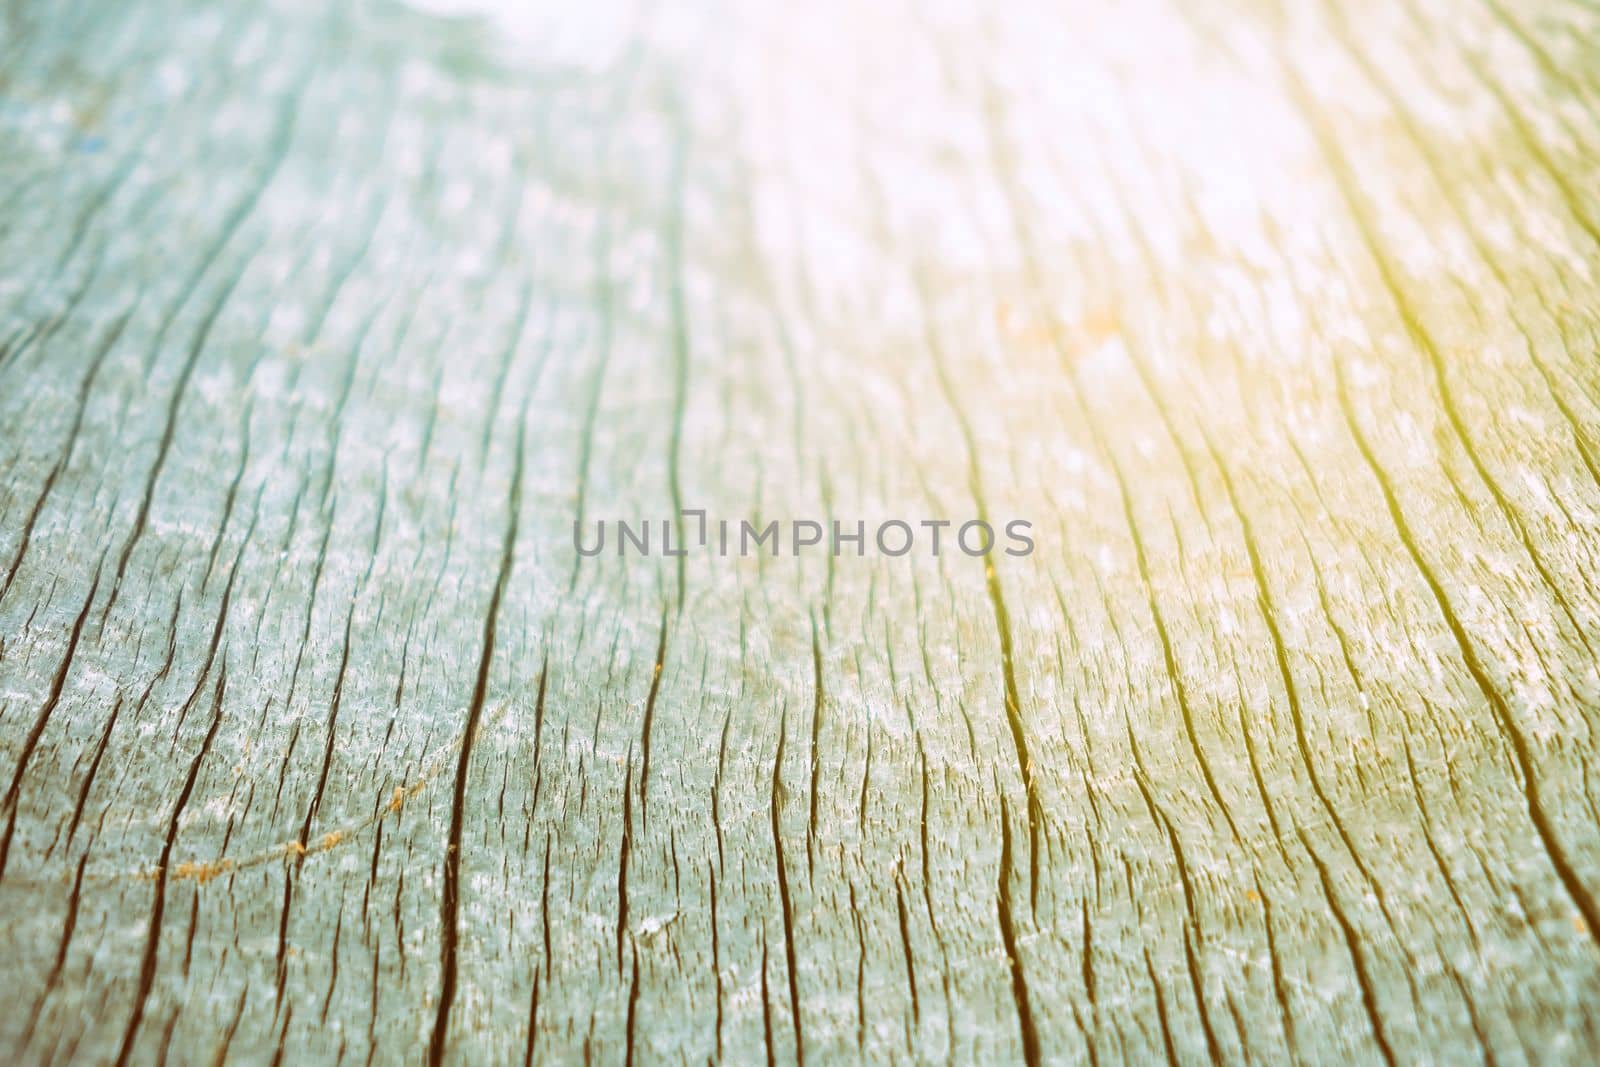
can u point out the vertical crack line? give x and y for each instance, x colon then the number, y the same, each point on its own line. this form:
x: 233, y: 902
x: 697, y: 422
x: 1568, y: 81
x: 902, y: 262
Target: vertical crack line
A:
x: 533, y: 1022
x: 152, y: 941
x: 1352, y: 940
x: 332, y: 732
x: 905, y: 944
x: 449, y: 904
x: 1034, y: 809
x: 68, y: 925
x: 1008, y: 935
x: 624, y: 854
x: 783, y: 890
x: 645, y: 728
x: 52, y: 701
x: 633, y: 1009
x: 818, y: 697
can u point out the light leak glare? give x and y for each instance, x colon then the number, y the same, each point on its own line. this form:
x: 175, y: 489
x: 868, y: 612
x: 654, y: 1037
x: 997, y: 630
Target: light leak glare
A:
x: 1112, y: 116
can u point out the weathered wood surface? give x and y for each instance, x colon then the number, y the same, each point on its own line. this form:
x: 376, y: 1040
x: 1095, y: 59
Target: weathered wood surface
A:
x: 319, y: 327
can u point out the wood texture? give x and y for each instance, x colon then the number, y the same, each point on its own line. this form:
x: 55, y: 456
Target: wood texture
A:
x: 321, y: 325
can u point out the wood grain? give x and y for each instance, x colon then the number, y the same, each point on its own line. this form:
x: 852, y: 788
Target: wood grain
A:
x: 321, y: 326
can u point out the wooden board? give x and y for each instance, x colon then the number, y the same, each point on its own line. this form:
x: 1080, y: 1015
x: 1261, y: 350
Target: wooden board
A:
x: 321, y: 328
